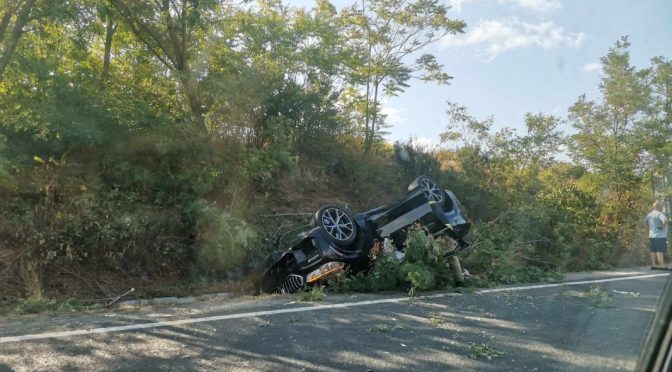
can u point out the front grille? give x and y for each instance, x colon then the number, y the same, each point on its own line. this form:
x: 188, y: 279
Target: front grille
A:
x: 291, y: 284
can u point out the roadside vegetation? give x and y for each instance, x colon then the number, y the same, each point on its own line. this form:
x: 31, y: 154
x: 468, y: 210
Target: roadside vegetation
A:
x: 168, y: 146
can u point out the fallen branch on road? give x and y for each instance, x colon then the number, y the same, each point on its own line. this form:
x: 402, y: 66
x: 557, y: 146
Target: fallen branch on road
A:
x: 112, y: 300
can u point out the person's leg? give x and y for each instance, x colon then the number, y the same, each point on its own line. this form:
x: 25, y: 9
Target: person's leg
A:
x: 657, y: 247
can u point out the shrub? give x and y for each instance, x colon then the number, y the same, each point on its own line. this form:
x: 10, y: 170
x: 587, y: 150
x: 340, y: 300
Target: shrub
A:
x: 385, y: 274
x: 316, y: 293
x: 423, y: 269
x: 420, y: 277
x: 512, y: 249
x: 224, y: 241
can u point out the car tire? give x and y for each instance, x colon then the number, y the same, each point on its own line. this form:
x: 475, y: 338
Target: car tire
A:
x: 429, y: 187
x: 456, y: 268
x: 338, y: 223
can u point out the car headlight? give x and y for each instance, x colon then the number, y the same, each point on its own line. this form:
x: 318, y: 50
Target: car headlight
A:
x: 324, y: 270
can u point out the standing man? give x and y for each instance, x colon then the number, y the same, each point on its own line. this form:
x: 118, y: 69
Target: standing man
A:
x: 657, y: 223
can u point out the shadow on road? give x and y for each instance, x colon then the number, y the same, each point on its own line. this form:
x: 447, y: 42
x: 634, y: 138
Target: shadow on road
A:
x: 547, y: 329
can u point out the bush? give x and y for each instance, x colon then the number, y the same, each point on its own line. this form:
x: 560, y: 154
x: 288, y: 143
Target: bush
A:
x: 224, y: 241
x: 512, y: 248
x: 423, y: 269
x: 419, y: 276
x: 385, y: 274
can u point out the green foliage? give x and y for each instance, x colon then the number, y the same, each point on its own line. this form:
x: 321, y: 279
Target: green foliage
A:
x: 414, y: 161
x: 423, y: 269
x: 315, y: 293
x: 272, y: 156
x: 381, y: 36
x: 511, y: 250
x: 6, y: 179
x: 385, y: 275
x: 420, y: 246
x: 598, y: 296
x: 477, y: 351
x: 36, y: 306
x: 437, y: 321
x: 224, y: 241
x: 465, y: 130
x: 419, y: 276
x: 344, y: 282
x: 141, y: 139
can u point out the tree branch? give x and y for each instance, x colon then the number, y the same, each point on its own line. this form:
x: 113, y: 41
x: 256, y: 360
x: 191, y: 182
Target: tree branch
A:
x: 22, y: 18
x: 139, y: 28
x: 6, y: 18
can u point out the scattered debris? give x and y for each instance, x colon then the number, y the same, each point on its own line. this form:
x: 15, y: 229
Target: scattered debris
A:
x: 437, y: 321
x: 483, y: 351
x: 601, y: 298
x: 382, y: 328
x: 633, y: 294
x: 115, y: 299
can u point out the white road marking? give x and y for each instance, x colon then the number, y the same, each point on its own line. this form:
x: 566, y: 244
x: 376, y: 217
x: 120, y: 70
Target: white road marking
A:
x: 170, y: 323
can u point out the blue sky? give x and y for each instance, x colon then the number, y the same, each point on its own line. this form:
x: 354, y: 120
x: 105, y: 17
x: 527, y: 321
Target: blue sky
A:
x: 520, y: 56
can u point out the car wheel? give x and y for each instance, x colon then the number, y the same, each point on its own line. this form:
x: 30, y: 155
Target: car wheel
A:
x: 337, y: 223
x: 430, y: 189
x: 456, y: 268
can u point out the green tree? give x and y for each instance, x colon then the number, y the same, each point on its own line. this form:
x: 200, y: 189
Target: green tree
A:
x: 173, y: 32
x: 608, y: 143
x: 383, y: 35
x: 656, y: 133
x: 542, y: 142
x: 15, y: 16
x: 605, y: 140
x: 464, y: 130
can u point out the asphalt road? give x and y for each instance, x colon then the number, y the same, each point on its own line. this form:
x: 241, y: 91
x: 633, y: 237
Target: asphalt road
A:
x: 588, y: 326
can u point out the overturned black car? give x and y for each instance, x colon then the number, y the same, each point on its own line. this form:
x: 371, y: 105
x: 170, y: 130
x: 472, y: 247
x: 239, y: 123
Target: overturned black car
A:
x: 340, y: 240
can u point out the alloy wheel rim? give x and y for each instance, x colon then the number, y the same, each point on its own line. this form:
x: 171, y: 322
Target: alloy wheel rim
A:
x: 337, y: 224
x: 431, y: 191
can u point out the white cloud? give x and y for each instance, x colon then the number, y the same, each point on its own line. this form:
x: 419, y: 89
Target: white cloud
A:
x: 590, y: 67
x: 422, y: 143
x: 393, y: 116
x: 498, y: 36
x: 456, y: 5
x: 542, y: 6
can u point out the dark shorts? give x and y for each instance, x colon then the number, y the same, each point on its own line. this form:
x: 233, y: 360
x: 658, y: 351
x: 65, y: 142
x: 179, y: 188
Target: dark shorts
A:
x: 658, y: 244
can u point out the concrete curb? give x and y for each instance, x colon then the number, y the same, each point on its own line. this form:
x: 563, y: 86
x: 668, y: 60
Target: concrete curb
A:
x: 172, y: 300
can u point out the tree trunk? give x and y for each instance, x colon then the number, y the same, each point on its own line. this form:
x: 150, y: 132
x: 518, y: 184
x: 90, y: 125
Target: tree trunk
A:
x: 21, y: 19
x: 367, y: 116
x: 191, y: 91
x: 4, y: 22
x: 111, y: 28
x: 374, y: 117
